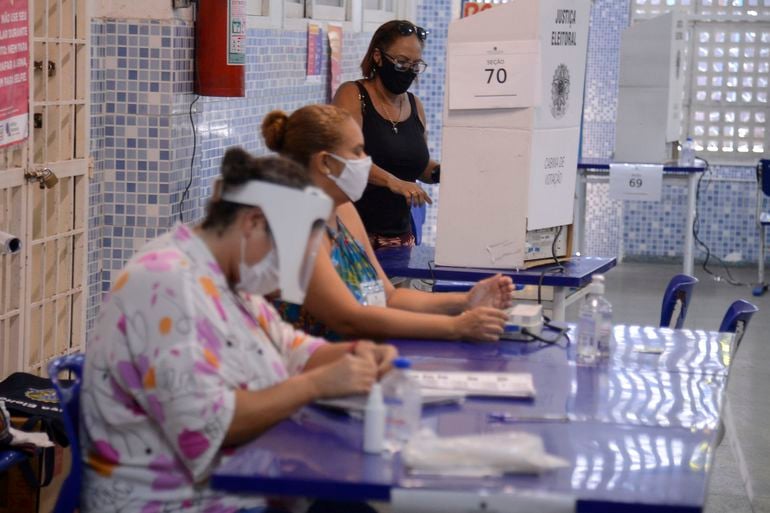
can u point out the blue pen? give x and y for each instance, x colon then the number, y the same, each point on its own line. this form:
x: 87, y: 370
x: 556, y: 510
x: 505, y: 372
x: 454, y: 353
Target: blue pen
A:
x: 507, y: 418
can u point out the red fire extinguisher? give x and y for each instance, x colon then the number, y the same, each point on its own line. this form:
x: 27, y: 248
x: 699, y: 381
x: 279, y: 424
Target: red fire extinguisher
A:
x: 220, y: 48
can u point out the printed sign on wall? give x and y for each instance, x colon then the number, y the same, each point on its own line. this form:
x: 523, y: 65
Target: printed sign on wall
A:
x: 636, y: 182
x: 314, y: 52
x: 494, y: 75
x: 236, y: 32
x: 470, y: 8
x: 335, y: 59
x: 14, y: 71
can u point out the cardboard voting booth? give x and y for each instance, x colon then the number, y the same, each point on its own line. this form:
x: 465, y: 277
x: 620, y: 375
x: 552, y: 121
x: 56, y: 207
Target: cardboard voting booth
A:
x: 652, y: 81
x: 513, y: 104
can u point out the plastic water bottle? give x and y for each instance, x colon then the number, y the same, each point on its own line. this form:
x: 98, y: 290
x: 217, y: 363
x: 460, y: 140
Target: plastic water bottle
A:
x: 605, y: 316
x: 403, y: 405
x: 687, y: 153
x: 594, y: 323
x: 374, y: 421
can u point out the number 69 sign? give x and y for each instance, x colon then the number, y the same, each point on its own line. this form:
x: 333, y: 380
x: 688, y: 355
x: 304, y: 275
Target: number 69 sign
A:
x: 494, y: 75
x: 636, y: 182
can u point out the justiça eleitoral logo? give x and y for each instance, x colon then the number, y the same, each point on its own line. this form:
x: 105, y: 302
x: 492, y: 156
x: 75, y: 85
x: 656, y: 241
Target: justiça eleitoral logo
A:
x: 560, y: 91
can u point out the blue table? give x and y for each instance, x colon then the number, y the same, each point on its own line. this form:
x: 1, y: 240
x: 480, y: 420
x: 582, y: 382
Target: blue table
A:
x: 417, y: 262
x: 639, y: 432
x: 598, y: 170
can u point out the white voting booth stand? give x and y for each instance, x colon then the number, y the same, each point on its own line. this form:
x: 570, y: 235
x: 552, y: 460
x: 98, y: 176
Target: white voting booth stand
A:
x: 514, y: 92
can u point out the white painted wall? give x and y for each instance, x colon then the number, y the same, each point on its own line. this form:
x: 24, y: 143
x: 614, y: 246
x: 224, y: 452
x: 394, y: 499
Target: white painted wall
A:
x: 139, y: 9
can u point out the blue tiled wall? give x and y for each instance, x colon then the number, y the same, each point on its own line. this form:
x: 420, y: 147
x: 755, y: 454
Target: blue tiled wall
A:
x: 142, y: 138
x: 435, y: 16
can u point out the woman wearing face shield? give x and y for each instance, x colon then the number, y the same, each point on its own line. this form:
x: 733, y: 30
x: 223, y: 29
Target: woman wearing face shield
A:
x: 393, y: 123
x: 188, y: 358
x: 349, y: 295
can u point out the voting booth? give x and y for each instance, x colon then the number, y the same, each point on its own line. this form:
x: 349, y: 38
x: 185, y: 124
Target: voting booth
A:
x: 513, y: 104
x: 651, y: 89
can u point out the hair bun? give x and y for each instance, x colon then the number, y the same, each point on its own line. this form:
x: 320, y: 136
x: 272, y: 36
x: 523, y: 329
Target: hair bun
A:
x: 274, y: 129
x: 236, y: 165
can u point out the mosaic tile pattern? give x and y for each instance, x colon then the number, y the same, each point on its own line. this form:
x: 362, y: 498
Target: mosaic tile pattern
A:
x: 142, y: 139
x: 94, y: 270
x: 603, y: 224
x: 434, y: 16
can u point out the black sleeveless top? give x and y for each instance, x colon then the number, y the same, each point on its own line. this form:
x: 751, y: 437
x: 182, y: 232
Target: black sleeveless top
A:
x: 404, y: 155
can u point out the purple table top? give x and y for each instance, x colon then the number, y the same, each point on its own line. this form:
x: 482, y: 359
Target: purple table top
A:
x: 640, y: 432
x: 612, y: 467
x: 685, y: 351
x: 418, y: 262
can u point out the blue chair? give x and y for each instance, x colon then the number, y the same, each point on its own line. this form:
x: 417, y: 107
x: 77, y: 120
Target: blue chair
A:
x: 69, y: 399
x: 736, y: 320
x: 675, y: 301
x: 417, y: 220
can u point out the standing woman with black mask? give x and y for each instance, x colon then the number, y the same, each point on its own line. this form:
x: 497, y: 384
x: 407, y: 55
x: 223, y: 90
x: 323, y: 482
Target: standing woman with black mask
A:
x: 393, y: 123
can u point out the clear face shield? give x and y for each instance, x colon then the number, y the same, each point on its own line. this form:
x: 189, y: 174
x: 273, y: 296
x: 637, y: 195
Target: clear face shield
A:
x: 296, y: 218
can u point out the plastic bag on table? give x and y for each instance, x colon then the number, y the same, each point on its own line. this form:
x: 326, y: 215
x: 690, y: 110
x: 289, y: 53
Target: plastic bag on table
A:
x: 479, y: 455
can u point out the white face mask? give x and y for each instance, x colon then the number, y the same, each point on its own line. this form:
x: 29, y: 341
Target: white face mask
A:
x: 352, y: 181
x: 261, y: 278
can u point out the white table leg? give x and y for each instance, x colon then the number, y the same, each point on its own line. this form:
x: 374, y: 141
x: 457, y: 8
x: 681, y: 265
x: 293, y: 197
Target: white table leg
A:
x: 761, y: 263
x: 579, y: 221
x: 559, y: 304
x: 689, y: 240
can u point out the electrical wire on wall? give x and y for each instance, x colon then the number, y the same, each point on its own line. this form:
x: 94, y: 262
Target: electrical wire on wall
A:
x: 696, y: 235
x: 194, y: 130
x: 192, y: 159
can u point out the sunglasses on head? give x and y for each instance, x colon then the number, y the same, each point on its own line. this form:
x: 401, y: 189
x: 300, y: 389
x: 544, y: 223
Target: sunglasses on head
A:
x: 407, y: 29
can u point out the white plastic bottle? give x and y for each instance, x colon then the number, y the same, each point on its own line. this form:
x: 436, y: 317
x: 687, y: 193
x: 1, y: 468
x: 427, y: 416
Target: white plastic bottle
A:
x: 687, y: 153
x: 374, y: 421
x: 403, y: 405
x: 594, y: 323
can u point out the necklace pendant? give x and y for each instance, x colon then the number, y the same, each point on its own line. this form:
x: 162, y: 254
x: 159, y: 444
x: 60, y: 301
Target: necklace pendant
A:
x: 395, y: 129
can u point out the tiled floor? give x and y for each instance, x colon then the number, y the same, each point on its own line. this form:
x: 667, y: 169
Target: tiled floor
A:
x: 740, y: 480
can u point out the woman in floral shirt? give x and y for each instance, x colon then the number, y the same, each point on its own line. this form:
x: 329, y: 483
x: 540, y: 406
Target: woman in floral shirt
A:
x: 182, y: 365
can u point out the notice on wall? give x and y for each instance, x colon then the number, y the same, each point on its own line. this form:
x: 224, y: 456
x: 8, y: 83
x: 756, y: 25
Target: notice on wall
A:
x: 236, y: 32
x: 494, y: 75
x: 314, y: 53
x: 470, y: 8
x: 14, y: 71
x: 636, y: 182
x: 335, y: 59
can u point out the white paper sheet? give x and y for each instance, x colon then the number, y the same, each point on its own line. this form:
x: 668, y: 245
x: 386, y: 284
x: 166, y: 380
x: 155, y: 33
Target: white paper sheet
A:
x: 636, y: 182
x: 494, y: 75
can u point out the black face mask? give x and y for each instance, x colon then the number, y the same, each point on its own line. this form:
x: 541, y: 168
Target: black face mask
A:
x: 397, y: 82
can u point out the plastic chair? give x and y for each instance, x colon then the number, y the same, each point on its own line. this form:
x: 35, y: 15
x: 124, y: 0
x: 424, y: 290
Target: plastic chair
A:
x: 418, y: 219
x: 763, y: 221
x: 736, y: 320
x: 69, y: 399
x: 675, y: 301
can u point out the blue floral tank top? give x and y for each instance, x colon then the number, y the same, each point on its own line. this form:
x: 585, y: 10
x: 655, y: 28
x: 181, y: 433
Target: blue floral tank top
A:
x: 352, y: 264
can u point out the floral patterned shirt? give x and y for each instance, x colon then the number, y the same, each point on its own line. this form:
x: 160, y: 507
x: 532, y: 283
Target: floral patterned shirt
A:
x: 172, y: 344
